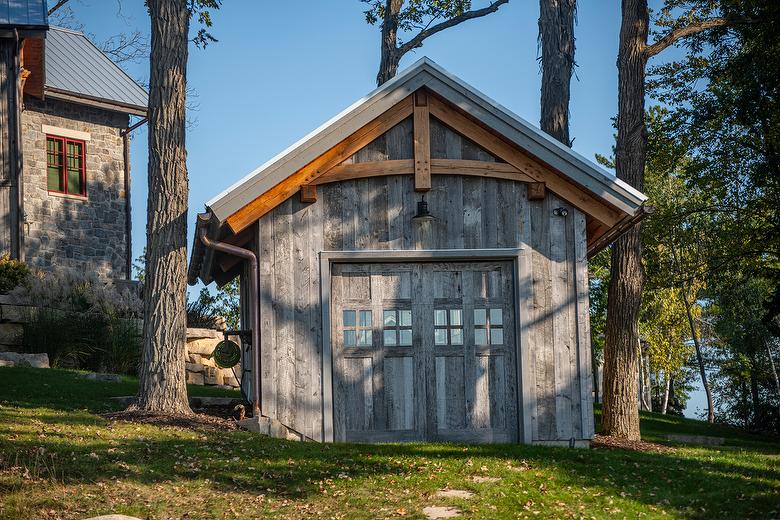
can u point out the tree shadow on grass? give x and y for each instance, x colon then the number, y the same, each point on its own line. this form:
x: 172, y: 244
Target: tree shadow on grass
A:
x: 295, y: 470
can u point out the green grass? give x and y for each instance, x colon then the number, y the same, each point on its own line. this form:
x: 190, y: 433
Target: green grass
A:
x: 58, y: 459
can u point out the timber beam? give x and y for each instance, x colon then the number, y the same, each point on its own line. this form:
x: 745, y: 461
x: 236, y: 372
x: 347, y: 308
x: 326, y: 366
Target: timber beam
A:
x: 422, y: 142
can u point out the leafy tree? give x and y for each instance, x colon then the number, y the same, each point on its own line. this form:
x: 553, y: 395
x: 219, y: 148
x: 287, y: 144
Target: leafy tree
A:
x: 417, y: 20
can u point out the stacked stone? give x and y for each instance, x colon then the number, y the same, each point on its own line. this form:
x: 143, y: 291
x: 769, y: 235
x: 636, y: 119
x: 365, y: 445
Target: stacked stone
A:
x: 201, y: 369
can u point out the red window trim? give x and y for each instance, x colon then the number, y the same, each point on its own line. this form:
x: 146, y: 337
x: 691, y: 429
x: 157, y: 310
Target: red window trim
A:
x: 64, y: 165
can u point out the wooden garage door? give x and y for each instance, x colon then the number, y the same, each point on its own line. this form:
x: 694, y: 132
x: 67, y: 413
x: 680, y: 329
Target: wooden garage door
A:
x: 424, y: 351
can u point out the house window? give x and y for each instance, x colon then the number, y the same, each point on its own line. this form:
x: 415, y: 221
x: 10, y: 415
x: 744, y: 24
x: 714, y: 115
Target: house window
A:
x: 65, y: 166
x: 397, y: 327
x: 488, y: 327
x: 448, y: 326
x: 357, y: 328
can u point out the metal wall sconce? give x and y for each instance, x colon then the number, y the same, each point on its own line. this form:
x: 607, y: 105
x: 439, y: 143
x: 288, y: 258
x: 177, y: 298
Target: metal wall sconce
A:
x: 422, y: 209
x: 560, y: 212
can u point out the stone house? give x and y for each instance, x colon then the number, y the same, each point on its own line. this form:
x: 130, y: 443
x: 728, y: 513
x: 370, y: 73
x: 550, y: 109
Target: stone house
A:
x: 65, y: 176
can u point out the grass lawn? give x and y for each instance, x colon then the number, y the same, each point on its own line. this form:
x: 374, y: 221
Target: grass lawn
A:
x: 60, y: 459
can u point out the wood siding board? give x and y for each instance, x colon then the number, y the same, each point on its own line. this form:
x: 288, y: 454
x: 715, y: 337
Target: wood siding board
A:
x: 378, y: 213
x: 363, y: 217
x: 332, y: 232
x: 472, y: 213
x: 314, y: 388
x: 491, y: 209
x: 399, y: 141
x: 571, y: 315
x: 267, y: 266
x: 527, y: 369
x: 583, y: 324
x: 302, y: 346
x: 284, y: 312
x: 453, y: 213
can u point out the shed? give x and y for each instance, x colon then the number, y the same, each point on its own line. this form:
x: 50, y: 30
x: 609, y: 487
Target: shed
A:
x: 421, y: 271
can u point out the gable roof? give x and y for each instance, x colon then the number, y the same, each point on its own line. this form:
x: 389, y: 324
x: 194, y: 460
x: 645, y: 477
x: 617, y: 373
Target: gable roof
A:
x: 23, y: 14
x: 76, y: 67
x: 426, y: 73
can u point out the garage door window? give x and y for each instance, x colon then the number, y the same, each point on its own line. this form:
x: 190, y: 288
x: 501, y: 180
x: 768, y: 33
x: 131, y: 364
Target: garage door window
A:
x: 357, y: 328
x: 448, y: 326
x: 488, y: 327
x: 397, y: 327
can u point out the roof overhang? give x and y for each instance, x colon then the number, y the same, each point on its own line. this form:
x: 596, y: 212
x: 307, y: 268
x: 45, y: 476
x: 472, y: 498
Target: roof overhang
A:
x: 96, y: 102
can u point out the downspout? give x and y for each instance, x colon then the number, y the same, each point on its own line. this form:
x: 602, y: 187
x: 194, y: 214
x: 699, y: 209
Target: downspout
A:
x: 128, y: 213
x: 249, y: 255
x: 18, y: 152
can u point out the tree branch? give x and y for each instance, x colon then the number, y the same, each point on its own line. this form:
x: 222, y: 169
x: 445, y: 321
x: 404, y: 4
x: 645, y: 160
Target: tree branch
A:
x: 671, y: 37
x: 469, y: 15
x: 57, y: 6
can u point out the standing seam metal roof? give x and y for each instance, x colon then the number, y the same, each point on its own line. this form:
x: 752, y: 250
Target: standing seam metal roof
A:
x: 23, y: 13
x: 75, y: 65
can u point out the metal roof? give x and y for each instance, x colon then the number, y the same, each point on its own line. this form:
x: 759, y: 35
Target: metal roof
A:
x: 430, y: 75
x: 74, y: 65
x: 23, y: 14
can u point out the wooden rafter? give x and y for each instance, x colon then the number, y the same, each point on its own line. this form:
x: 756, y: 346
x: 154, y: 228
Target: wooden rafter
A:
x: 309, y: 173
x: 438, y: 167
x: 538, y: 171
x: 422, y: 142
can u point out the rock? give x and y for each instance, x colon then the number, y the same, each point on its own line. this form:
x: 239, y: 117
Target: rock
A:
x: 441, y: 512
x: 697, y: 439
x: 202, y: 346
x: 114, y: 517
x: 455, y: 493
x: 194, y: 379
x: 26, y: 360
x: 203, y: 333
x: 232, y: 382
x: 94, y: 376
x: 206, y: 361
x: 193, y: 367
x: 6, y: 363
x: 213, y: 376
x: 11, y: 333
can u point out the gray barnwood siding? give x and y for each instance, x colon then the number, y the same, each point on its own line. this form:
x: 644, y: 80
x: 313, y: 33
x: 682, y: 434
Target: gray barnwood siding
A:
x: 9, y: 153
x: 470, y: 213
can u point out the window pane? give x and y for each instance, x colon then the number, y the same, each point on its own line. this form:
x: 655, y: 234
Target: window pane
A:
x: 456, y: 336
x: 440, y: 337
x: 440, y: 317
x: 74, y: 182
x: 389, y: 319
x: 480, y: 336
x: 480, y: 317
x: 406, y: 337
x: 389, y: 336
x: 496, y: 317
x: 406, y: 318
x: 496, y: 336
x: 456, y: 317
x: 364, y: 338
x: 365, y: 318
x: 349, y: 318
x: 54, y: 180
x: 349, y: 338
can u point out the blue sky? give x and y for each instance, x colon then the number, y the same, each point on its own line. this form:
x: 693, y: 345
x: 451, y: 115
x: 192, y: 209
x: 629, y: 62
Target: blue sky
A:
x: 280, y: 69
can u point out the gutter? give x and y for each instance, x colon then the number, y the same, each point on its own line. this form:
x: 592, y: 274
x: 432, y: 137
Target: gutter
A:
x: 620, y: 229
x: 128, y: 213
x: 249, y: 255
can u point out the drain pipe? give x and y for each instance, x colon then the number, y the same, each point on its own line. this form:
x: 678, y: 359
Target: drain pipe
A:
x: 253, y: 302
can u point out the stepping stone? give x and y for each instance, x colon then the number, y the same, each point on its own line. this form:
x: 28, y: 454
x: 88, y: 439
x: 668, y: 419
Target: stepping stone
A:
x: 441, y: 512
x: 455, y: 493
x: 482, y: 480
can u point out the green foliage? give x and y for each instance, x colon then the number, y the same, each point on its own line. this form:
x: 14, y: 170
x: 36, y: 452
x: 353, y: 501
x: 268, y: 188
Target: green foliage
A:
x: 201, y: 9
x: 417, y: 14
x: 13, y: 273
x: 225, y: 303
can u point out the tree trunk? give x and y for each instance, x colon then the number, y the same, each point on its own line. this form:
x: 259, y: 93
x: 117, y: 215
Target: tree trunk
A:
x: 163, y: 386
x: 595, y: 371
x: 667, y: 387
x: 621, y: 414
x: 556, y: 38
x: 388, y: 64
x: 774, y: 369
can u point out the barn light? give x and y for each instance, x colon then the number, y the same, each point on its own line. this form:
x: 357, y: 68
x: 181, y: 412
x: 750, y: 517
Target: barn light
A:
x: 560, y: 212
x: 422, y: 209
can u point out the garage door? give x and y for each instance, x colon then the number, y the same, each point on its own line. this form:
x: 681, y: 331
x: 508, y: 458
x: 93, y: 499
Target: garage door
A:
x: 424, y: 351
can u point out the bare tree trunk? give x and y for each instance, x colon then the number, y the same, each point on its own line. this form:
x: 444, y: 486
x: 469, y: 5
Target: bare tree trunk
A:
x: 667, y: 386
x: 595, y: 371
x: 621, y: 414
x: 556, y: 38
x: 774, y: 369
x: 163, y: 386
x: 390, y: 58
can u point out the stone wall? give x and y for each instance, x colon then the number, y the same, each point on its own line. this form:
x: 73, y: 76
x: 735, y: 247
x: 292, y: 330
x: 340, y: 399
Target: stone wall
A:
x: 73, y: 232
x: 201, y: 369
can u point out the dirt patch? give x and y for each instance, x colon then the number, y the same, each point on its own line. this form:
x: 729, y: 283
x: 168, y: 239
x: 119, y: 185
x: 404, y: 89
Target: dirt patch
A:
x: 615, y: 443
x: 201, y: 419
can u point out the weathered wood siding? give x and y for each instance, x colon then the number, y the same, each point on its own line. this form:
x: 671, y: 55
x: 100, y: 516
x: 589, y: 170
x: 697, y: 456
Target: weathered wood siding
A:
x: 376, y: 213
x: 9, y: 153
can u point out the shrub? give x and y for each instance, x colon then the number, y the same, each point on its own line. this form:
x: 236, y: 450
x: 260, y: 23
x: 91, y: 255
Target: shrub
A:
x: 81, y: 321
x: 13, y: 273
